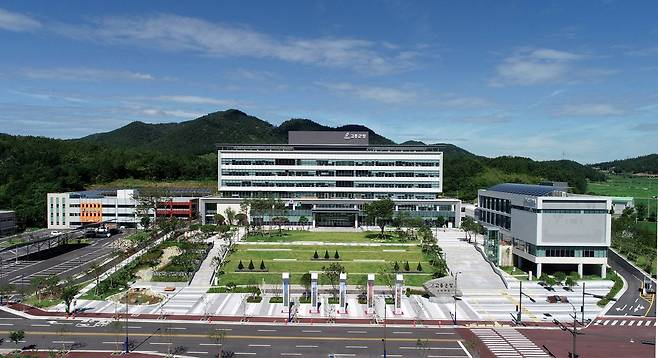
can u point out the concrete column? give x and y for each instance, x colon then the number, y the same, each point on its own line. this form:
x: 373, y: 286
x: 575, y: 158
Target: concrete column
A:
x: 342, y: 295
x: 538, y: 270
x: 314, y: 293
x: 285, y: 278
x: 370, y: 293
x: 399, y: 287
x: 580, y: 270
x: 604, y: 270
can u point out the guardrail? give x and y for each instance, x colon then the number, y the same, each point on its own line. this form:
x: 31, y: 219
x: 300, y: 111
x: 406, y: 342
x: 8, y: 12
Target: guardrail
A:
x: 495, y: 269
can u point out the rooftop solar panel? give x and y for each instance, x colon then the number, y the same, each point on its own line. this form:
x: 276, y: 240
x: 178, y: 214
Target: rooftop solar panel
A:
x: 525, y: 189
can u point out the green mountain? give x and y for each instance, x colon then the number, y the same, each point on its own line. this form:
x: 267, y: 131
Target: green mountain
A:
x: 641, y: 164
x: 30, y: 167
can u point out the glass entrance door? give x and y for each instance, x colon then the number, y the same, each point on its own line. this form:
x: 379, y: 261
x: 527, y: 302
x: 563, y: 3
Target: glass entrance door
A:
x: 334, y: 219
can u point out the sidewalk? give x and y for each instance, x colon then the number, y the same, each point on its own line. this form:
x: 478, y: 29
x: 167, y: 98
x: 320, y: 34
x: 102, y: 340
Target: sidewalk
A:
x: 206, y: 272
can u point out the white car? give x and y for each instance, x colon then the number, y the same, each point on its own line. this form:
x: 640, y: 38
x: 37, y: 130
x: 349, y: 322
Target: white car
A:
x: 55, y: 233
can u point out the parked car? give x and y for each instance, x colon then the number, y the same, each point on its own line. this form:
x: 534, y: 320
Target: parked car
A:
x: 55, y: 233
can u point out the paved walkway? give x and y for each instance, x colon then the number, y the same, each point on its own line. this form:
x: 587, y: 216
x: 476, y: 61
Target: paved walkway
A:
x: 476, y: 273
x: 206, y: 272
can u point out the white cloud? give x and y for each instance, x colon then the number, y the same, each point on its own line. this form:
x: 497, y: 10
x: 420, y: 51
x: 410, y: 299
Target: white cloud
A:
x: 85, y: 74
x: 13, y: 21
x: 590, y: 110
x: 373, y: 93
x: 196, y: 100
x: 157, y: 112
x: 527, y: 67
x: 455, y: 101
x: 179, y: 33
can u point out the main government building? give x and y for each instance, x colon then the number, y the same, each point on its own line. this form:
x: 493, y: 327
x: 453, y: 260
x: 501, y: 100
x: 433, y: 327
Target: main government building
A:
x: 327, y: 177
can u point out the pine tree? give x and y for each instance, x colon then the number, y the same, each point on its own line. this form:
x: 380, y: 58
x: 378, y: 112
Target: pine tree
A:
x: 336, y: 256
x: 326, y: 254
x: 406, y: 266
x: 315, y: 255
x: 240, y: 266
x: 396, y: 267
x: 251, y: 264
x: 262, y: 265
x: 419, y: 267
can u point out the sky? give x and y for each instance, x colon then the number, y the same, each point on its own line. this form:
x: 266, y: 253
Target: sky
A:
x: 540, y: 79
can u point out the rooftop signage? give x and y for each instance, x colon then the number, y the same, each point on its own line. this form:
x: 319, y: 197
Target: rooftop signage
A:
x: 328, y: 137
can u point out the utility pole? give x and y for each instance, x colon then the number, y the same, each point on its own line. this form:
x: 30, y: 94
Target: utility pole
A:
x: 582, y: 307
x: 456, y: 274
x: 127, y: 347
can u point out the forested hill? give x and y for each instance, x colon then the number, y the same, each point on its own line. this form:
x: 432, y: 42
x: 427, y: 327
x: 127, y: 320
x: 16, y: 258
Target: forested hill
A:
x: 642, y: 164
x: 30, y: 167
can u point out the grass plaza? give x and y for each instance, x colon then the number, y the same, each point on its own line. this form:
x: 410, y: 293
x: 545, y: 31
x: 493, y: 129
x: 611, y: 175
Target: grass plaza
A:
x: 360, y: 253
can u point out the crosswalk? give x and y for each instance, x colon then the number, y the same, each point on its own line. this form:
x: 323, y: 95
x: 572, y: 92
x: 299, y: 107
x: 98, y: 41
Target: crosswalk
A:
x: 508, y: 343
x: 626, y: 322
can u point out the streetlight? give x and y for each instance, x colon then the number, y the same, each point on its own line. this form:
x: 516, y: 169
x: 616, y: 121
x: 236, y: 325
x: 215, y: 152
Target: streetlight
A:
x: 582, y: 307
x: 456, y: 274
x: 521, y: 294
x: 573, y: 331
x: 126, y: 344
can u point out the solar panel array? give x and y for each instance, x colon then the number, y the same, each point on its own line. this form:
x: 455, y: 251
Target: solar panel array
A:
x: 524, y: 189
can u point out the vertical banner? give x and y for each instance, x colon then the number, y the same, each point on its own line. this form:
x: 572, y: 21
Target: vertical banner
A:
x: 285, y: 277
x: 314, y: 292
x: 343, y: 292
x: 370, y: 293
x: 398, y: 294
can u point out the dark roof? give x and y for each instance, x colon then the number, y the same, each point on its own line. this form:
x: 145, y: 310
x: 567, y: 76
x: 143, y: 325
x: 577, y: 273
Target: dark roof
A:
x: 525, y: 189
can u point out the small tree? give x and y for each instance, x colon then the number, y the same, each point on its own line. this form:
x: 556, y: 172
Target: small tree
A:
x: 560, y: 276
x: 240, y: 266
x: 251, y: 264
x: 96, y: 270
x: 419, y: 267
x: 303, y: 220
x: 262, y: 265
x: 326, y: 254
x: 17, y: 336
x: 440, y: 221
x: 380, y: 212
x: 396, y: 267
x: 336, y: 256
x: 406, y: 266
x: 305, y: 281
x: 333, y: 272
x: 219, y: 219
x: 550, y: 281
x: 241, y: 219
x: 315, y: 255
x: 543, y: 277
x: 570, y: 282
x: 230, y: 215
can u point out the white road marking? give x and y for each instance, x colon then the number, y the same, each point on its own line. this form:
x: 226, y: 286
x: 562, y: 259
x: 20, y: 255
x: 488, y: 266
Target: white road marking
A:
x: 267, y: 330
x: 260, y: 345
x: 160, y: 343
x: 40, y: 325
x: 465, y: 350
x: 291, y: 354
x: 305, y: 346
x: 6, y: 324
x: 63, y: 342
x: 244, y: 353
x: 311, y: 331
x: 356, y: 347
x: 403, y: 332
x: 197, y: 352
x: 210, y: 344
x: 112, y: 342
x: 361, y: 332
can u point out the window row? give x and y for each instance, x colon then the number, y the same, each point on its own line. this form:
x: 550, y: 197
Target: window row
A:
x: 369, y: 163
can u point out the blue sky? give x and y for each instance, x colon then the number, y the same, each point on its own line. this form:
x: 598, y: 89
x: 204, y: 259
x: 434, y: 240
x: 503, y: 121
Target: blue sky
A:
x: 546, y: 80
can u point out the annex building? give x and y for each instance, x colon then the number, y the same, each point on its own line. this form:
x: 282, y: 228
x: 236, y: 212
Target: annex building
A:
x: 121, y: 207
x: 327, y: 176
x: 545, y: 228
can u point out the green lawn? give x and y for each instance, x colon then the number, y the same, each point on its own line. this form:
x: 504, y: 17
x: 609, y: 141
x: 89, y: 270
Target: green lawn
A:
x: 619, y: 185
x: 358, y: 260
x: 302, y: 235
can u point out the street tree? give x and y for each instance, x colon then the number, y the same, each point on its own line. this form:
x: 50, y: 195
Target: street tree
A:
x: 16, y: 336
x: 68, y: 295
x: 230, y: 215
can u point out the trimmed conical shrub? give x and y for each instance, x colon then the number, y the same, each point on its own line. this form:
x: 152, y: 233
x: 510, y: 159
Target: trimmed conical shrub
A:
x: 262, y: 265
x: 419, y: 267
x: 336, y: 256
x: 315, y: 255
x: 251, y: 264
x: 240, y: 266
x: 406, y: 266
x: 396, y: 267
x: 326, y: 254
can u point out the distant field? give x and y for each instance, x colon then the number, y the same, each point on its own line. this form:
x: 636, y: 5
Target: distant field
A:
x: 618, y: 185
x: 358, y: 258
x: 138, y: 183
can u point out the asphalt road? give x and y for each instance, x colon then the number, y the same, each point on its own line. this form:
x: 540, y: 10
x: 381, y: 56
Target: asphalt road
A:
x: 630, y: 303
x: 61, y: 261
x: 192, y: 339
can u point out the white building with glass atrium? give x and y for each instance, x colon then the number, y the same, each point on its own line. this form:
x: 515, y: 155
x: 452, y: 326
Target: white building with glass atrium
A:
x: 327, y: 177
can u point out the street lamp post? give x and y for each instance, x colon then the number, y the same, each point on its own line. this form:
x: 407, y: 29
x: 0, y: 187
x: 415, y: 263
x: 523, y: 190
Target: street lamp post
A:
x: 573, y: 331
x: 126, y: 345
x: 521, y: 294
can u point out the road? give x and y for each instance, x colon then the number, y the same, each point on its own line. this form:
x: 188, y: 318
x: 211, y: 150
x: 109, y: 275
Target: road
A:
x: 631, y: 303
x: 192, y: 339
x: 60, y: 262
